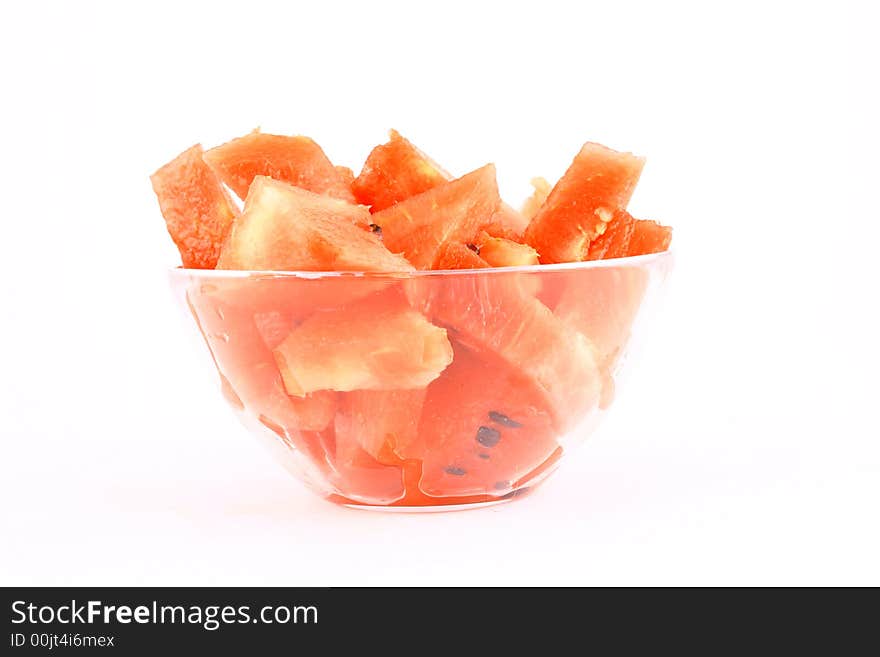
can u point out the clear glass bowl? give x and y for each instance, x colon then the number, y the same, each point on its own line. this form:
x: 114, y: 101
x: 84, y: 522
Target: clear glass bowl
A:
x: 428, y: 390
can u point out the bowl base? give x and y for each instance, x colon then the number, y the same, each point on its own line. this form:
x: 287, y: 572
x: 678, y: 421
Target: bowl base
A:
x: 438, y: 508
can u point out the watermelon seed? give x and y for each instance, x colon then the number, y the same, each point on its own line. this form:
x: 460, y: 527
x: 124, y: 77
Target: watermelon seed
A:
x: 377, y: 229
x: 483, y: 455
x: 501, y: 485
x: 488, y: 437
x: 501, y: 418
x: 474, y: 248
x: 453, y: 470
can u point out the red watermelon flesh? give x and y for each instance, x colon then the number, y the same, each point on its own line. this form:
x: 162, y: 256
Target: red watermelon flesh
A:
x: 579, y: 207
x: 287, y: 228
x: 484, y: 426
x: 649, y: 237
x: 273, y: 326
x: 419, y: 226
x: 353, y: 475
x: 507, y: 223
x: 346, y: 176
x: 384, y: 423
x: 614, y: 242
x: 359, y: 477
x: 454, y: 255
x: 197, y: 210
x: 496, y: 313
x: 295, y: 160
x: 393, y: 172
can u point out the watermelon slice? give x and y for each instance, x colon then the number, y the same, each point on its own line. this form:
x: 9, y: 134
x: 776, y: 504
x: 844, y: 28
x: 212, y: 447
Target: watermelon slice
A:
x: 384, y: 423
x: 197, y: 210
x: 295, y: 160
x: 397, y: 170
x: 581, y: 204
x: 393, y: 172
x: 287, y: 228
x: 496, y: 314
x: 372, y: 344
x: 649, y: 237
x: 452, y: 212
x: 484, y: 426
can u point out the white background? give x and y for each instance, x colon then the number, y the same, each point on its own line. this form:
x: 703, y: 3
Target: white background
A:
x: 745, y: 448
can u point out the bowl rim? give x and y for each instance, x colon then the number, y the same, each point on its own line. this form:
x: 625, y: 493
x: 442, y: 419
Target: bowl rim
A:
x: 628, y: 261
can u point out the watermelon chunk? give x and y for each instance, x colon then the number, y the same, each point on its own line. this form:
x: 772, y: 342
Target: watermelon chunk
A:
x: 384, y: 423
x: 497, y: 314
x: 484, y: 427
x: 581, y: 204
x: 397, y: 170
x: 455, y: 211
x: 197, y: 210
x: 393, y: 172
x: 287, y: 228
x: 371, y: 344
x: 649, y: 237
x: 358, y: 477
x: 295, y: 160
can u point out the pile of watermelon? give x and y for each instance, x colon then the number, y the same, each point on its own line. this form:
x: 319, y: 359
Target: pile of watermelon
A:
x: 399, y: 387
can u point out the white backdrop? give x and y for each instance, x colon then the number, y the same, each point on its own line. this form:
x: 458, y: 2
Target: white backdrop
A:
x: 745, y: 448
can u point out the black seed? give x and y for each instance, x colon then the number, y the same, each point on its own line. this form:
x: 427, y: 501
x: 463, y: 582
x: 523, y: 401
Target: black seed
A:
x: 453, y: 470
x: 376, y: 228
x: 474, y: 248
x: 488, y: 437
x: 501, y: 418
x: 501, y: 485
x: 483, y: 455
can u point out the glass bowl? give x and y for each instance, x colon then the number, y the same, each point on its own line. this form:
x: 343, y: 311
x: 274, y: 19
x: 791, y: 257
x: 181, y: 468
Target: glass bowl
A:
x: 428, y: 390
